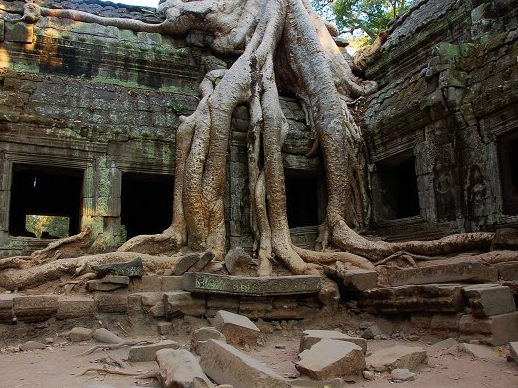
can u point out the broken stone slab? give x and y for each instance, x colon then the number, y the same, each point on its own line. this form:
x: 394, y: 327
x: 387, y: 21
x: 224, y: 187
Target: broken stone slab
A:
x: 236, y: 328
x: 402, y: 375
x: 489, y: 299
x: 184, y: 263
x: 179, y: 368
x: 237, y: 261
x: 466, y: 271
x: 431, y: 298
x: 397, y: 356
x: 505, y: 239
x: 311, y: 337
x: 143, y: 353
x: 32, y: 345
x: 203, y: 334
x: 79, y: 334
x: 443, y: 345
x: 35, y: 308
x: 226, y: 365
x: 513, y: 350
x: 360, y: 279
x: 330, y: 358
x: 179, y: 303
x: 372, y: 332
x: 255, y: 286
x: 130, y: 268
x: 6, y: 308
x: 478, y: 351
x: 496, y: 330
x: 105, y: 336
x: 75, y: 307
x: 108, y: 283
x: 203, y: 261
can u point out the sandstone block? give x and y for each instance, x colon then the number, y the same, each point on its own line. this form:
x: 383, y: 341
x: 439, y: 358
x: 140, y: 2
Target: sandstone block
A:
x: 237, y: 261
x: 513, y: 350
x: 401, y: 375
x: 478, y: 351
x: 253, y: 286
x: 172, y: 283
x: 361, y: 279
x: 507, y: 271
x: 497, y: 329
x: 185, y: 262
x: 35, y: 308
x: 148, y: 352
x: 236, y: 328
x: 397, y: 356
x: 203, y: 261
x: 130, y: 268
x: 443, y: 345
x: 18, y: 32
x: 107, y: 302
x: 6, y: 308
x: 226, y: 365
x: 466, y: 271
x: 75, y: 307
x: 32, y: 345
x: 445, y: 322
x: 311, y: 337
x: 183, y: 303
x: 489, y: 299
x: 330, y: 358
x: 181, y: 369
x: 78, y: 334
x: 203, y: 334
x: 146, y: 283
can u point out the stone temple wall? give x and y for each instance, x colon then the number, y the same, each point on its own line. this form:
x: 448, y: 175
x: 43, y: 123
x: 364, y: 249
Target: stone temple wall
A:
x: 446, y: 114
x: 100, y: 105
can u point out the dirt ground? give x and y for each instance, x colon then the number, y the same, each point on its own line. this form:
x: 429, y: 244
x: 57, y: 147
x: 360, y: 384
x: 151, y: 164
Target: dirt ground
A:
x: 61, y: 364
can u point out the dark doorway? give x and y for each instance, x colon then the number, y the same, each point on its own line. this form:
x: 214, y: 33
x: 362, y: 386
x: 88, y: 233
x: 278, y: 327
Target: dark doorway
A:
x: 38, y: 191
x: 146, y: 203
x: 398, y: 186
x: 508, y: 165
x: 302, y: 198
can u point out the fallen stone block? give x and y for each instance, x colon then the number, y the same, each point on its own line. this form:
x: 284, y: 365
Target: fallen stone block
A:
x: 311, y: 337
x: 148, y: 352
x: 478, y: 351
x: 36, y: 308
x: 254, y: 286
x: 513, y: 351
x: 172, y: 283
x: 397, y: 356
x: 497, y: 330
x: 237, y: 261
x: 79, y: 334
x: 179, y: 303
x: 330, y: 358
x: 226, y: 365
x: 32, y: 345
x: 443, y: 345
x: 6, y: 308
x: 505, y: 239
x: 466, y: 271
x: 372, y: 332
x: 180, y: 369
x: 107, y: 302
x: 202, y: 335
x: 184, y: 263
x: 105, y: 336
x: 430, y: 298
x: 130, y: 268
x: 489, y: 299
x: 75, y: 307
x: 402, y: 375
x: 203, y: 261
x: 236, y: 328
x: 361, y: 279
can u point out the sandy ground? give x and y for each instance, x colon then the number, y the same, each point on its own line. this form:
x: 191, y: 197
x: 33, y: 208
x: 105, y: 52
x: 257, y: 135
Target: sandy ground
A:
x: 61, y: 365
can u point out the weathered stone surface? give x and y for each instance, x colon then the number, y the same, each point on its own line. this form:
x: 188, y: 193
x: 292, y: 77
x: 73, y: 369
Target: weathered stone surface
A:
x: 78, y: 334
x: 108, y: 283
x: 226, y: 365
x: 443, y: 345
x: 35, y: 308
x: 236, y: 328
x: 330, y: 358
x: 513, y: 350
x: 478, y: 351
x: 146, y: 283
x: 497, y: 330
x: 179, y: 368
x: 164, y: 328
x: 6, y: 308
x: 75, y: 307
x: 361, y: 279
x: 148, y: 352
x: 507, y: 271
x: 18, y: 32
x: 130, y: 268
x: 178, y: 303
x: 505, y: 239
x: 445, y: 322
x: 414, y: 298
x: 105, y: 336
x: 184, y: 263
x: 311, y: 337
x: 203, y: 334
x: 237, y: 261
x: 401, y: 375
x: 32, y: 345
x: 372, y: 332
x: 203, y: 261
x: 466, y: 271
x: 172, y: 283
x: 107, y: 302
x: 397, y: 356
x: 258, y: 286
x: 489, y: 299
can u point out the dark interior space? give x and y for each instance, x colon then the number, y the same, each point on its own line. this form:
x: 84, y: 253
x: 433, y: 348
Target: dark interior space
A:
x: 146, y: 203
x: 398, y: 184
x: 46, y: 191
x: 302, y: 199
x: 508, y: 163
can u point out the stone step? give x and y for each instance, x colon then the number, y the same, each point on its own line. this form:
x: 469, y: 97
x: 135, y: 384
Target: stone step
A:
x: 434, y: 298
x: 489, y: 299
x: 470, y: 271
